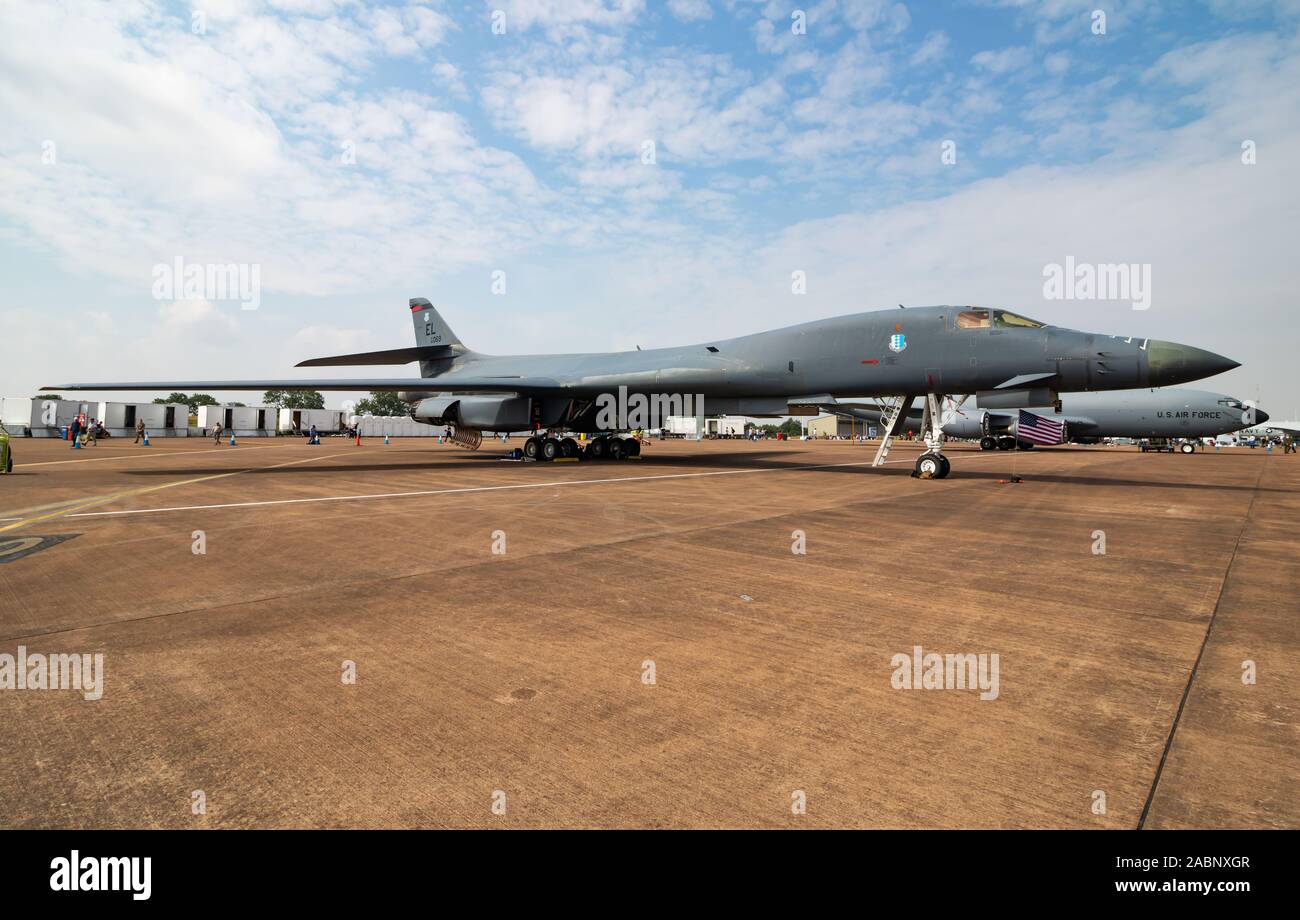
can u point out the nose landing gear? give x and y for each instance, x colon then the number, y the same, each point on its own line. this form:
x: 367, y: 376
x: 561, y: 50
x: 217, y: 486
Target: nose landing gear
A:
x: 932, y: 464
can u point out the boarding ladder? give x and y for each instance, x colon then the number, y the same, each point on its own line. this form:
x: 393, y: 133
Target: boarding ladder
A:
x: 893, y: 417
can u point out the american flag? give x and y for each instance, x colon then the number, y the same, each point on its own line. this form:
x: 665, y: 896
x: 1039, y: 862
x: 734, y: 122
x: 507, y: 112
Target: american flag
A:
x: 1040, y: 430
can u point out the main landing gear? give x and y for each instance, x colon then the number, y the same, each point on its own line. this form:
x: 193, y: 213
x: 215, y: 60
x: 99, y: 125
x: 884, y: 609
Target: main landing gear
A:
x: 546, y: 448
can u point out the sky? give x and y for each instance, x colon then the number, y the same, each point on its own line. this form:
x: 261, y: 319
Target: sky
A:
x: 590, y: 175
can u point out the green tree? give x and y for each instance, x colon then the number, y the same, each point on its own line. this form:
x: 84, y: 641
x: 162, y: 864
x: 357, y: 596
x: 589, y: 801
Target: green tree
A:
x: 791, y: 427
x: 198, y: 399
x: 381, y: 403
x: 294, y: 399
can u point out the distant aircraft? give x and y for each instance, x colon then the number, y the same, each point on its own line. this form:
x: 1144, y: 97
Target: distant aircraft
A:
x: 923, y: 352
x: 1089, y: 417
x: 1285, y: 429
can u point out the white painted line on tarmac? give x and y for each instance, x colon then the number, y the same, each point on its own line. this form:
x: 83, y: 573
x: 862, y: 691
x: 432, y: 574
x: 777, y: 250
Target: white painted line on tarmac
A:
x: 469, y: 489
x: 147, y: 454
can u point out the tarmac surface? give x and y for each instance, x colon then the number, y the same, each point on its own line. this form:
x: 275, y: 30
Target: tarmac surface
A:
x: 636, y: 644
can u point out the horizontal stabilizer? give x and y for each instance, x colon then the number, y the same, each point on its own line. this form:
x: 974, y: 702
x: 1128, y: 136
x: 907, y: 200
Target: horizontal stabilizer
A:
x: 387, y: 356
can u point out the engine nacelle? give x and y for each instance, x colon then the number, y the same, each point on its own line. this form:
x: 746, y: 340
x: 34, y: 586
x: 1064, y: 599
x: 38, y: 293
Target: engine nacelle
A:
x: 969, y: 428
x: 489, y: 413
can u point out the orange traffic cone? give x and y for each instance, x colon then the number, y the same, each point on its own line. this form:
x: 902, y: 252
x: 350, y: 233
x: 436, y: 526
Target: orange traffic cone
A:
x: 358, y: 439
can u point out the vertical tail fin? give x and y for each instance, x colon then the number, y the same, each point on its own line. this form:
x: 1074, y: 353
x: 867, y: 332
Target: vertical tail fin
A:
x: 430, y: 328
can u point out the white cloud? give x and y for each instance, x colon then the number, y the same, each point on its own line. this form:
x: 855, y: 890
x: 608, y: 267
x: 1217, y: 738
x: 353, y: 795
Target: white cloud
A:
x: 694, y: 108
x: 690, y: 10
x: 170, y: 143
x: 933, y: 48
x: 558, y: 15
x: 1007, y: 60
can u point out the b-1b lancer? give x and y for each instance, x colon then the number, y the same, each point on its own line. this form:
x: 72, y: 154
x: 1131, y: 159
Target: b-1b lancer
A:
x: 917, y: 353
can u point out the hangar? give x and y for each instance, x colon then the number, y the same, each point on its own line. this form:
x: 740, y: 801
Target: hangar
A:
x: 832, y: 426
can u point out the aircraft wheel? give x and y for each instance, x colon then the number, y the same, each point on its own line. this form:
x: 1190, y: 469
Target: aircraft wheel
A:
x: 1006, y: 443
x: 633, y: 447
x: 598, y: 449
x: 531, y: 448
x: 1187, y: 448
x: 568, y: 448
x: 928, y: 466
x: 988, y: 443
x: 549, y: 450
x: 1026, y: 445
x: 945, y: 467
x: 617, y: 449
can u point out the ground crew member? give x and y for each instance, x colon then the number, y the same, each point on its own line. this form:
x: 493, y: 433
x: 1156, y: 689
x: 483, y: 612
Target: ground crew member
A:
x: 88, y: 436
x: 139, y: 430
x: 76, y: 430
x: 217, y: 428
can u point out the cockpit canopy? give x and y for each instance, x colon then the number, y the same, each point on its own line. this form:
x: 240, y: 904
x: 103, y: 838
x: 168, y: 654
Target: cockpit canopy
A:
x: 984, y: 318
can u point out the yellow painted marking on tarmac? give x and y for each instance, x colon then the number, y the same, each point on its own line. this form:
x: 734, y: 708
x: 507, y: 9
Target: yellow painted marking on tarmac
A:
x: 16, y: 545
x: 105, y: 499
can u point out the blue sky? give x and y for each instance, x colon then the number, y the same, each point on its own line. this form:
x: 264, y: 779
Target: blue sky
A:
x: 522, y: 153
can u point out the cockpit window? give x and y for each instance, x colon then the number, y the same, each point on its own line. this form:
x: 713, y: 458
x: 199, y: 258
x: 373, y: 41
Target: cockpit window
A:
x: 1231, y: 403
x: 973, y: 319
x: 1006, y: 319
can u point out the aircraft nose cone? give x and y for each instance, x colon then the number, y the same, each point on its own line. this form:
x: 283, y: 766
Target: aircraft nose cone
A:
x: 1169, y: 363
x: 1260, y: 416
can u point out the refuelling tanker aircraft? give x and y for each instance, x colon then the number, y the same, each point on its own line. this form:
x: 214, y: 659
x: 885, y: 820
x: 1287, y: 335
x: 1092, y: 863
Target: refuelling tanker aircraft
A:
x: 916, y: 353
x: 1088, y: 417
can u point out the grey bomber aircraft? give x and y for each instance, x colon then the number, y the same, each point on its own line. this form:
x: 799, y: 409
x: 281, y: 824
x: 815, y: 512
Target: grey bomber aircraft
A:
x: 1089, y: 417
x: 920, y: 352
